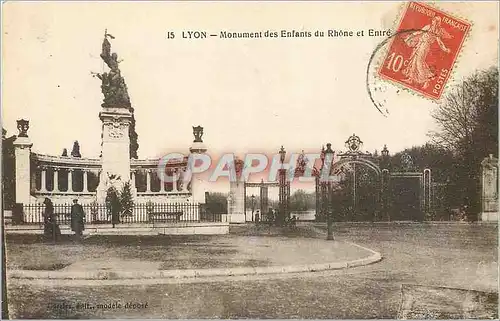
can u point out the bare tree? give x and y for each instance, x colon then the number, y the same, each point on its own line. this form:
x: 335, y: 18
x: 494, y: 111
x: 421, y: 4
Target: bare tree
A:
x: 467, y: 123
x: 461, y: 120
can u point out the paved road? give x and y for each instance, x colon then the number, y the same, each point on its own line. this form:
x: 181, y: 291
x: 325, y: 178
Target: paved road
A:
x: 459, y: 255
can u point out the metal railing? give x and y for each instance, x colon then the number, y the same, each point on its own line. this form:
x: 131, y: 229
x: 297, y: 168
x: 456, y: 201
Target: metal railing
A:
x: 141, y: 213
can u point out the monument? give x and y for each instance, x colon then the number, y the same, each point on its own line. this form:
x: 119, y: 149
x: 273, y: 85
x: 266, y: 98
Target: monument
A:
x: 489, y: 190
x: 236, y: 198
x: 72, y: 175
x: 118, y: 125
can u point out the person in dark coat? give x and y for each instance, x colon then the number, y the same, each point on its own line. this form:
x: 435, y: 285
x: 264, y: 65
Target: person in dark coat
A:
x: 113, y: 206
x: 115, y: 216
x: 51, y: 229
x: 270, y: 216
x: 77, y: 218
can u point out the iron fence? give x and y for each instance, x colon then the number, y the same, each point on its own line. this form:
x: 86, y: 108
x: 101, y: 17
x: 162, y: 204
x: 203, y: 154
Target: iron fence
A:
x: 141, y: 213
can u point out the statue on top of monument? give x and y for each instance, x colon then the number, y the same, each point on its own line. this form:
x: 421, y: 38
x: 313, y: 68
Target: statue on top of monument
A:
x: 113, y: 85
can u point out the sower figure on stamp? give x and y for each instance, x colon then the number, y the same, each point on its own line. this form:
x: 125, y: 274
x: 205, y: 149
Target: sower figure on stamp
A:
x: 77, y: 218
x: 421, y: 41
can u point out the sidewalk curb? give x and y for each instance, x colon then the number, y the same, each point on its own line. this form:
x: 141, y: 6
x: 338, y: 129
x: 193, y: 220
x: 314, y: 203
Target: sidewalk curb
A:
x: 193, y: 273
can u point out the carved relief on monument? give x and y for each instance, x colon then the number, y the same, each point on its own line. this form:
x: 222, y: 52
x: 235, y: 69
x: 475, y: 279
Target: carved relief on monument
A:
x: 115, y: 132
x: 116, y: 128
x: 490, y: 182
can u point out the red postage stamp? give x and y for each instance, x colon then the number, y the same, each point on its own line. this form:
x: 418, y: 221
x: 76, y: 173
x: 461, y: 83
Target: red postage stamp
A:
x: 424, y: 49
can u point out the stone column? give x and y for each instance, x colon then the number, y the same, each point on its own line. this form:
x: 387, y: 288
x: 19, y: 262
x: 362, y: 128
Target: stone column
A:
x: 133, y: 179
x: 43, y: 183
x: 162, y: 186
x: 56, y: 180
x: 70, y: 180
x: 489, y: 197
x: 175, y: 180
x: 85, y: 181
x: 133, y: 186
x: 184, y: 185
x: 22, y: 146
x: 148, y: 180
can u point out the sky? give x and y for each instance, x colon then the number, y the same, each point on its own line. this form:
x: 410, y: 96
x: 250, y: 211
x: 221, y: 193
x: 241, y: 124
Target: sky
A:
x: 250, y: 95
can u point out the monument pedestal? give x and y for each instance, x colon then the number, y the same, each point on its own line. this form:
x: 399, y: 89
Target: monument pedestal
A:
x: 115, y: 157
x: 236, y: 202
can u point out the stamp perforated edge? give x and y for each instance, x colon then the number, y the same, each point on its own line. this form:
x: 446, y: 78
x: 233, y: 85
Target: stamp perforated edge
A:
x: 385, y: 50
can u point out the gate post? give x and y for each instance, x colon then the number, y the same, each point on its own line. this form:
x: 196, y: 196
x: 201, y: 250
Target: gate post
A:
x: 427, y: 193
x: 264, y: 196
x: 318, y: 202
x: 489, y: 195
x: 22, y: 146
x: 284, y: 189
x: 329, y: 214
x: 385, y: 194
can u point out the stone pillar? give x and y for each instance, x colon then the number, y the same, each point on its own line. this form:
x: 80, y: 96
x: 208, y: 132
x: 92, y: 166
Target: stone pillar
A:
x: 56, y: 180
x: 133, y: 187
x: 489, y: 182
x: 184, y: 185
x: 22, y: 146
x: 115, y: 148
x: 198, y: 147
x: 133, y: 179
x: 236, y: 202
x: 264, y: 199
x: 229, y: 203
x: 85, y: 182
x: 162, y: 186
x: 43, y: 183
x: 176, y: 179
x: 148, y: 180
x: 70, y: 180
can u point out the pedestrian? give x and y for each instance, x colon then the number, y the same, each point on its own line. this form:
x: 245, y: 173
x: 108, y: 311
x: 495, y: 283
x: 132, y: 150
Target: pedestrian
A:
x: 270, y: 216
x: 51, y: 229
x: 113, y: 206
x: 77, y: 219
x: 115, y: 215
x: 257, y: 217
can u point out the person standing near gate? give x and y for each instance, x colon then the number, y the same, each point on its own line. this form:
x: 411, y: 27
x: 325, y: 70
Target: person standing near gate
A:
x: 50, y: 228
x: 77, y: 217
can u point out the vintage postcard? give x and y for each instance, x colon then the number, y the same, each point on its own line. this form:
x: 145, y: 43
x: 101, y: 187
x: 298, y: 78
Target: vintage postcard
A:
x: 250, y: 160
